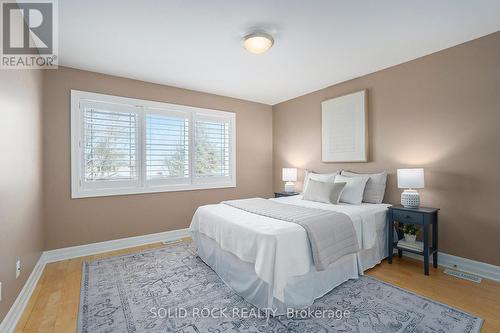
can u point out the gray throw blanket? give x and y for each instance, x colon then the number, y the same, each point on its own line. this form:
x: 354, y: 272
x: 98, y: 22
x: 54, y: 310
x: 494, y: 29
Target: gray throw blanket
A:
x: 331, y: 234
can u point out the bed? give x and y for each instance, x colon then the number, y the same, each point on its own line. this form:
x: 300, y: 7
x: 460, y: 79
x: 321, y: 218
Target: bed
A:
x: 269, y: 262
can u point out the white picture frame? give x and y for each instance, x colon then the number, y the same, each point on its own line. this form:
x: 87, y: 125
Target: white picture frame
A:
x: 344, y: 128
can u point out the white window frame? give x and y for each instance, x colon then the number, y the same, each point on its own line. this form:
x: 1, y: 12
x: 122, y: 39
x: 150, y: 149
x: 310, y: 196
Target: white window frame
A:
x: 82, y: 189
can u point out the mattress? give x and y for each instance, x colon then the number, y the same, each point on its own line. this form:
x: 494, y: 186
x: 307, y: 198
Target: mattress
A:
x: 279, y: 250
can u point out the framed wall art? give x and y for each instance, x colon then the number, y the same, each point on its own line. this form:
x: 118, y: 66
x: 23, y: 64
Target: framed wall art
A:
x: 344, y: 128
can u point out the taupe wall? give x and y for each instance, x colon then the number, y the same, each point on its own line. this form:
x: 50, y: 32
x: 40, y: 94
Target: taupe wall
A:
x: 80, y: 221
x: 21, y: 225
x: 440, y: 112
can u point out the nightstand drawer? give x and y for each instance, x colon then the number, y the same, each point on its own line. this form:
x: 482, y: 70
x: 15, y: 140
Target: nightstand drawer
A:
x: 285, y: 194
x: 408, y: 217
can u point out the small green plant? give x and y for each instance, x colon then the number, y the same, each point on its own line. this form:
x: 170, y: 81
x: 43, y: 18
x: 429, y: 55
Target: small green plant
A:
x: 410, y: 229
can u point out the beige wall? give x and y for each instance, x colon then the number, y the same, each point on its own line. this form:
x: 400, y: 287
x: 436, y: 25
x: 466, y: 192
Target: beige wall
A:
x: 440, y: 112
x: 80, y: 221
x: 21, y: 226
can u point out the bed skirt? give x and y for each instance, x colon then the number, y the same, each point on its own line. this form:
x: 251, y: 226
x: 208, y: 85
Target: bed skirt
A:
x: 300, y: 291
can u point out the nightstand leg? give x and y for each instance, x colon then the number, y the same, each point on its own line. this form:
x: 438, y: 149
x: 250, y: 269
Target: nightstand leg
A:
x: 426, y: 264
x: 435, y: 242
x: 390, y: 236
x: 426, y: 246
x: 400, y: 253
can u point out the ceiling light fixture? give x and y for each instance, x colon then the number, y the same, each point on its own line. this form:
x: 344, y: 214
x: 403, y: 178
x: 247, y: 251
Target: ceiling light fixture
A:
x: 258, y: 42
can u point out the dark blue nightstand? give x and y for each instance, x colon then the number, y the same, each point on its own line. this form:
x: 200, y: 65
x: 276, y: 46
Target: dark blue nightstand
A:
x: 424, y: 217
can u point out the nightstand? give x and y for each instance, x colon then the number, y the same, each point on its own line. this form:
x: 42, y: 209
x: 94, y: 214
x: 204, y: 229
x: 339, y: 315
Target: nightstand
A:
x: 425, y: 218
x: 284, y: 194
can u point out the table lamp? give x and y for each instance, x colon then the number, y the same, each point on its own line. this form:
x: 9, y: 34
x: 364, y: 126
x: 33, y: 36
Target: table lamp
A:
x: 410, y: 179
x: 289, y: 175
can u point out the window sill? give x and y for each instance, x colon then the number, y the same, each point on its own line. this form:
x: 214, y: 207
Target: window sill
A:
x: 92, y: 193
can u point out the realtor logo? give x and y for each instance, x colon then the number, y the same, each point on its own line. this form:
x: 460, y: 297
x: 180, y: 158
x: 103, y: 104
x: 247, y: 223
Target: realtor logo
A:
x: 29, y: 34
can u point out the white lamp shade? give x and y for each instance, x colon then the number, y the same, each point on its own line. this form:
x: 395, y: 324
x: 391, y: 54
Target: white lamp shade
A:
x: 289, y: 174
x: 411, y: 178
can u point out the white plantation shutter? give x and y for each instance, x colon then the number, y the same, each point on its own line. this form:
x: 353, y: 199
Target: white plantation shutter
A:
x: 167, y: 147
x: 124, y: 146
x: 109, y: 145
x: 212, y: 148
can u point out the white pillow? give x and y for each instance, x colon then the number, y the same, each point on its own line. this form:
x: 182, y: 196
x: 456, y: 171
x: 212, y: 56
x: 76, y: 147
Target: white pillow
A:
x: 353, y: 190
x: 321, y: 177
x: 375, y: 187
x: 327, y: 192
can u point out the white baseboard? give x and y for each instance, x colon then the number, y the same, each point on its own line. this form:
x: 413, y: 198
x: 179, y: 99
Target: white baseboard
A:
x: 112, y: 245
x: 478, y: 268
x: 9, y: 323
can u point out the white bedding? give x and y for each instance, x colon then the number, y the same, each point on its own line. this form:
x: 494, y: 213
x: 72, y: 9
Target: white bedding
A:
x: 279, y: 249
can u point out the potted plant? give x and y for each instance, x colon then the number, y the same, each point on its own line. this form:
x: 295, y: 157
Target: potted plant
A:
x: 410, y: 232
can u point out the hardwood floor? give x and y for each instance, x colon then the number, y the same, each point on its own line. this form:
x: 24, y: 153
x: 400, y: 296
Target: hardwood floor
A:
x: 53, y: 307
x: 481, y: 299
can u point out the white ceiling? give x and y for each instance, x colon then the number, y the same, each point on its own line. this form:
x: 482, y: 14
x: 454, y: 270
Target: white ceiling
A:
x: 196, y: 44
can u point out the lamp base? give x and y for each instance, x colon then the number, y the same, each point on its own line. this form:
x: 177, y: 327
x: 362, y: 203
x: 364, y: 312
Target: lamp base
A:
x: 410, y: 199
x: 289, y: 187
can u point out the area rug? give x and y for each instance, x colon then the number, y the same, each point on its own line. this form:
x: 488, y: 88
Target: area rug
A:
x: 171, y: 290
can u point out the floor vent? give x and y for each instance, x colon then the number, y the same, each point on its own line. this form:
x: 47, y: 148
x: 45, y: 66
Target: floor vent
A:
x: 172, y: 242
x: 463, y: 275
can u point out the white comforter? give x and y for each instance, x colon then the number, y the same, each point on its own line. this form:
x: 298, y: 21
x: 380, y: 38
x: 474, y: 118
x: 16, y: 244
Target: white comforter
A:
x: 279, y: 249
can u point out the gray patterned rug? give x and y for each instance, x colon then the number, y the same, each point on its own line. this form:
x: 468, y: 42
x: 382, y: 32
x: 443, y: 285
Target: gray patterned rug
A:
x: 171, y: 290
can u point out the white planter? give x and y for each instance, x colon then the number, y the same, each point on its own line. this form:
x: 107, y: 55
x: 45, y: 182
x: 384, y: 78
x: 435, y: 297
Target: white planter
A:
x: 410, y: 238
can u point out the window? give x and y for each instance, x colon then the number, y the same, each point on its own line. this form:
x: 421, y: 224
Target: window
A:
x: 167, y: 148
x: 109, y: 141
x: 211, y: 155
x: 124, y: 146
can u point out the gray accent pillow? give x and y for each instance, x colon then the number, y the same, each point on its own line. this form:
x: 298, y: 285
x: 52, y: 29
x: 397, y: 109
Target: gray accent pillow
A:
x: 326, y: 192
x: 375, y: 187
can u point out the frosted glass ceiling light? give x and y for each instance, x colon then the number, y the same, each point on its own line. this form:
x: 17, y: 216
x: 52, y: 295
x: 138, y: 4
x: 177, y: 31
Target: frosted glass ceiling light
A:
x: 258, y: 42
